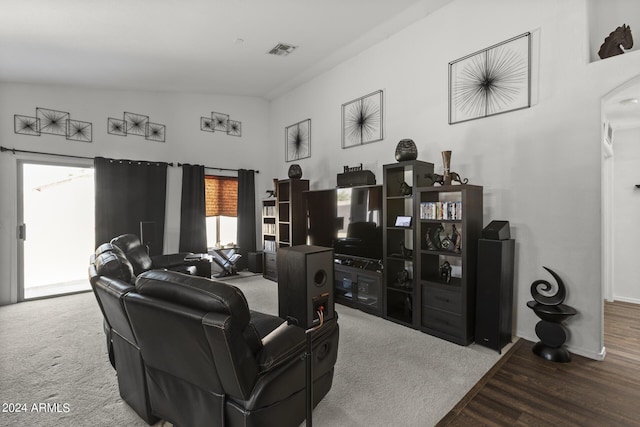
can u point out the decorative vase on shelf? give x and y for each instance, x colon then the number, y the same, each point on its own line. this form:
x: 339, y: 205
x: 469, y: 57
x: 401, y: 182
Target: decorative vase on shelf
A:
x: 406, y: 150
x: 446, y: 162
x: 295, y: 171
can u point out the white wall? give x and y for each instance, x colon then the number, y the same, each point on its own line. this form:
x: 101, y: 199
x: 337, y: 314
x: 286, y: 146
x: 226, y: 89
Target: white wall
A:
x: 626, y: 228
x: 185, y: 143
x: 540, y: 167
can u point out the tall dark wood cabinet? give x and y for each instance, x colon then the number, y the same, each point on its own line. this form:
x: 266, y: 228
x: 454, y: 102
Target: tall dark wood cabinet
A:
x: 494, y: 294
x: 400, y: 293
x: 449, y: 226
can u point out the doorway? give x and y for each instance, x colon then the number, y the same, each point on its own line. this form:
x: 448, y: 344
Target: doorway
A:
x: 56, y: 228
x: 620, y: 125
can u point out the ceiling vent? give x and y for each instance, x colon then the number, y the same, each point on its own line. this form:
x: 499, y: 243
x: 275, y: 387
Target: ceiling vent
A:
x: 282, y: 49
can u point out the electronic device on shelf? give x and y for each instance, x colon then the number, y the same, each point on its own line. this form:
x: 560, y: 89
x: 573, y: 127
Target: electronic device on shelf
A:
x: 403, y: 221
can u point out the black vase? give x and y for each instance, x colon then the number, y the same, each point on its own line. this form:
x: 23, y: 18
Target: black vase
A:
x: 406, y: 150
x: 295, y: 171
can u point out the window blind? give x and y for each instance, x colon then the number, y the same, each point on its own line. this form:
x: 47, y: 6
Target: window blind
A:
x: 221, y: 195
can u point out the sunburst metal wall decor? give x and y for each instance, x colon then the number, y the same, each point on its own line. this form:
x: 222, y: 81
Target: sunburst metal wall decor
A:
x: 116, y: 127
x: 52, y: 122
x: 221, y: 122
x: 362, y: 120
x: 298, y: 141
x: 234, y: 128
x: 491, y: 81
x: 138, y: 125
x: 26, y: 125
x: 79, y: 131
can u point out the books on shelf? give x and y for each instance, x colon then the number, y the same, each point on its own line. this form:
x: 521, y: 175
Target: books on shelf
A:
x: 270, y: 246
x: 268, y: 210
x: 441, y: 210
x: 268, y: 228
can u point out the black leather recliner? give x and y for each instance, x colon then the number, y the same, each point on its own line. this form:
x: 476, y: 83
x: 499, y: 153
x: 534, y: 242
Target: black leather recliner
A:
x: 141, y: 261
x: 190, y: 351
x: 110, y: 275
x: 207, y: 363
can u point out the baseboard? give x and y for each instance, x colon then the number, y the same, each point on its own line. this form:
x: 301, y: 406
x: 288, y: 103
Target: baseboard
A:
x: 629, y: 300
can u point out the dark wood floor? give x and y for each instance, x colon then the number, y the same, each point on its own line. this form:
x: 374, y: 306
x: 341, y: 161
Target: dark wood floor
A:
x: 526, y: 390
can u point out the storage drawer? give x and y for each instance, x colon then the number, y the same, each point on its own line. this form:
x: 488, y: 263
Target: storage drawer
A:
x: 443, y: 299
x: 270, y: 266
x: 442, y: 321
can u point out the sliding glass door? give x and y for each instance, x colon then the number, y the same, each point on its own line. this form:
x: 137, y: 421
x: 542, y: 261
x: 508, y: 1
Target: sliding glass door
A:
x: 56, y: 228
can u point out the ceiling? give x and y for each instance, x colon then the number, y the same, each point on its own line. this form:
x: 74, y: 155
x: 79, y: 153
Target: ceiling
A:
x: 191, y: 45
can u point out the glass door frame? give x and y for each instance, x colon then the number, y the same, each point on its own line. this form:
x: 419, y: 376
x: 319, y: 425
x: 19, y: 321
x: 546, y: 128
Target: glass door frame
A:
x: 67, y: 162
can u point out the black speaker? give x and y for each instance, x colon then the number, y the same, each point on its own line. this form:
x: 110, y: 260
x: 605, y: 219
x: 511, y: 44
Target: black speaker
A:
x: 255, y: 262
x: 305, y: 284
x: 497, y: 230
x: 494, y: 293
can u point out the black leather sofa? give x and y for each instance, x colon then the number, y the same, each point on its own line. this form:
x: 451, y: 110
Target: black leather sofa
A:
x: 188, y: 349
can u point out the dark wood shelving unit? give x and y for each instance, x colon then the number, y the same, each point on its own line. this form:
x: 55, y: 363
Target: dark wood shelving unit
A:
x: 447, y: 308
x: 289, y: 222
x: 401, y: 299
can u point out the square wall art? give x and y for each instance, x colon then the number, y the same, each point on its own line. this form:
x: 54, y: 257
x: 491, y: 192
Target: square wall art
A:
x: 492, y: 81
x: 298, y: 141
x: 362, y: 120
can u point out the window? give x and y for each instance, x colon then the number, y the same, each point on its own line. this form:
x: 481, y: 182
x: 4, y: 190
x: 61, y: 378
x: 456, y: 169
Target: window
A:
x: 221, y: 200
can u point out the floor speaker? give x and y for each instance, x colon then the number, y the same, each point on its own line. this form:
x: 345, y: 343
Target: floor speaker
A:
x: 494, y: 293
x: 305, y: 284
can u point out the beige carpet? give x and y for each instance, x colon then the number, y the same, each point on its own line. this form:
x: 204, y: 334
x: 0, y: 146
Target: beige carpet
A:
x: 53, y: 356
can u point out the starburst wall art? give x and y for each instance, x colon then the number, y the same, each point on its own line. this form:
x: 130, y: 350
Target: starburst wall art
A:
x: 138, y: 125
x: 492, y: 81
x: 221, y: 122
x: 297, y: 138
x: 362, y: 120
x: 53, y: 122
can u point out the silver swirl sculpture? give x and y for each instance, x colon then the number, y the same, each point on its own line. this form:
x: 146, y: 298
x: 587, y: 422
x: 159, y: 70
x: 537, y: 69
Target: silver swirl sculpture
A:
x: 542, y: 285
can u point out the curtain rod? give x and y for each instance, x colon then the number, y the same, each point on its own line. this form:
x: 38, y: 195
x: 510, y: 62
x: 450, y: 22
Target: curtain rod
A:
x: 14, y: 151
x: 220, y: 169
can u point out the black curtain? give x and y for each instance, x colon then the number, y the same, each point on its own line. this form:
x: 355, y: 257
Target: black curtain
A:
x: 246, y: 215
x: 193, y: 223
x: 128, y: 193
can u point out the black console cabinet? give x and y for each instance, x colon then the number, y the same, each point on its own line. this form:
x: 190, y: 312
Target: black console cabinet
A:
x: 358, y: 284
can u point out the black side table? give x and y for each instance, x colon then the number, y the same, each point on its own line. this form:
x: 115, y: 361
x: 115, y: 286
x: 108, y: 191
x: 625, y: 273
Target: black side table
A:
x: 202, y: 262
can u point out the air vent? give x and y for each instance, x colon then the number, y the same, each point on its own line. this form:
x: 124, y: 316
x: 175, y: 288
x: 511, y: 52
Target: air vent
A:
x: 282, y: 49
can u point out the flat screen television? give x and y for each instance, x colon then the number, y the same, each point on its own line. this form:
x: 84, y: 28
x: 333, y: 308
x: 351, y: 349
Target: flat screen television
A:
x: 359, y: 217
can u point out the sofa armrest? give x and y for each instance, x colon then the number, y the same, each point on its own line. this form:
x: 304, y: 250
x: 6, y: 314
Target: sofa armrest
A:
x: 283, y: 343
x: 287, y: 342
